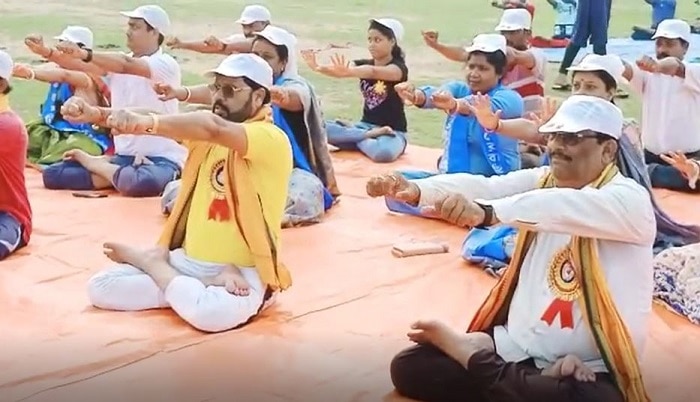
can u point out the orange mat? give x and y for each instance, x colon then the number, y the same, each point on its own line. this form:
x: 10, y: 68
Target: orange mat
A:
x: 329, y: 338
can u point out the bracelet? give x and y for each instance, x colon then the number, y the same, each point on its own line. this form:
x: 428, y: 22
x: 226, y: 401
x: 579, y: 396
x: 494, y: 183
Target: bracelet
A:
x: 223, y: 47
x: 156, y: 123
x: 455, y: 108
x: 497, y: 128
x: 189, y: 94
x: 32, y: 74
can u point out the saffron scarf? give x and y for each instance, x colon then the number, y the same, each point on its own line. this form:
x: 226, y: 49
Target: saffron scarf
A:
x: 243, y: 199
x: 597, y: 306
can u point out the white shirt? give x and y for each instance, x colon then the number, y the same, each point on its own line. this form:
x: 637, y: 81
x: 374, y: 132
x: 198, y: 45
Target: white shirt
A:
x: 132, y: 91
x: 670, y: 109
x: 619, y: 215
x: 566, y: 13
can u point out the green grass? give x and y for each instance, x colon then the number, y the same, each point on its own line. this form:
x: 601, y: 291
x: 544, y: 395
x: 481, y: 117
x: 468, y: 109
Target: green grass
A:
x: 316, y: 24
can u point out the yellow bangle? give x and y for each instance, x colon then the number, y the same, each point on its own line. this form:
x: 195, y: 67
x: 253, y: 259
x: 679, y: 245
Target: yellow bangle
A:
x: 156, y: 123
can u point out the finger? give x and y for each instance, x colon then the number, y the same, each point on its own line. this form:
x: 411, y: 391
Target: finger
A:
x: 448, y: 206
x: 667, y: 159
x: 429, y: 212
x: 456, y: 211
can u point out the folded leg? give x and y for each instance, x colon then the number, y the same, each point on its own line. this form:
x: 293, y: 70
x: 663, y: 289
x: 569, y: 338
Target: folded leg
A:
x: 10, y: 235
x: 147, y: 180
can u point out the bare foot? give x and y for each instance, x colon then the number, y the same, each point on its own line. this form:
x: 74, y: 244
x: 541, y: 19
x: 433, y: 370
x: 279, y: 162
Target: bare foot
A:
x: 379, y: 131
x: 459, y: 346
x: 570, y: 366
x: 83, y: 158
x: 232, y: 279
x: 139, y: 258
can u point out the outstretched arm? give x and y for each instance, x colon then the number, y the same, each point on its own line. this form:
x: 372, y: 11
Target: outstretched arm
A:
x: 617, y: 211
x: 75, y: 79
x: 451, y: 52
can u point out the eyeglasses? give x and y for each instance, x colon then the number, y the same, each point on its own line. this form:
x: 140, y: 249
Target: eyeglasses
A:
x: 229, y: 91
x: 569, y: 138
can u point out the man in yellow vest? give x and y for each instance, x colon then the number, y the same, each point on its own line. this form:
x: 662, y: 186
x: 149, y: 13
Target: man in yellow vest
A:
x: 216, y: 264
x: 568, y: 320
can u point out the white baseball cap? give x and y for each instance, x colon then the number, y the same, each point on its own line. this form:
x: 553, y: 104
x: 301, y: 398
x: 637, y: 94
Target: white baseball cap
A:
x: 254, y: 13
x: 77, y: 34
x: 673, y: 29
x: 281, y: 37
x: 610, y: 63
x: 514, y: 19
x: 6, y: 65
x: 583, y: 112
x: 488, y: 43
x: 154, y: 15
x: 395, y: 25
x: 246, y: 65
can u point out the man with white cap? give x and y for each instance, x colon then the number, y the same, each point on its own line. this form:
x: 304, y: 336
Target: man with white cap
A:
x: 598, y: 76
x: 51, y: 135
x: 216, y: 264
x: 254, y: 18
x: 526, y: 65
x: 313, y: 187
x: 15, y: 210
x: 142, y: 165
x: 670, y: 90
x: 579, y: 287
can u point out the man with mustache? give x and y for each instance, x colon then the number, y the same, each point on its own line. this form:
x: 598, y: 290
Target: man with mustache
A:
x: 216, y: 264
x: 142, y: 165
x: 253, y: 19
x: 580, y: 281
x: 670, y: 90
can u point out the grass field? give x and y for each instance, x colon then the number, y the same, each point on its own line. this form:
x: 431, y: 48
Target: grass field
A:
x: 315, y: 23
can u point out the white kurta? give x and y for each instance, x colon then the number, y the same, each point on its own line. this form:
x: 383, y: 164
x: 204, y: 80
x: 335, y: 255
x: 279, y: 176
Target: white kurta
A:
x: 619, y: 215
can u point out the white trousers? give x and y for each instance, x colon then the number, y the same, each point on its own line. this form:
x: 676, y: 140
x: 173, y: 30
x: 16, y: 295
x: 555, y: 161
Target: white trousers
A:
x: 207, y: 308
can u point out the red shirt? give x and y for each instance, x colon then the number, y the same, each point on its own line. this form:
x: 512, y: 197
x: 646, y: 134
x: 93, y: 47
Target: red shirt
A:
x: 13, y: 157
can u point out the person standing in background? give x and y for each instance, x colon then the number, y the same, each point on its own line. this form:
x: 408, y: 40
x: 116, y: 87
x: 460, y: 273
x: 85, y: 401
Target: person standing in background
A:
x: 592, y: 20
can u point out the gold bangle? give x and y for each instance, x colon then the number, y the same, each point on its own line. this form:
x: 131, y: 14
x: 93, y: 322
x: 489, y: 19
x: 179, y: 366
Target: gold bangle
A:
x: 156, y: 123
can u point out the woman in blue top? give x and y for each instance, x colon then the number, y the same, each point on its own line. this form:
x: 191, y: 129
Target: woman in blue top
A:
x: 469, y: 148
x: 381, y: 134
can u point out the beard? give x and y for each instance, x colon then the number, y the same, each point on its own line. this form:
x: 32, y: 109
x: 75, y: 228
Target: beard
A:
x: 238, y: 116
x: 661, y: 55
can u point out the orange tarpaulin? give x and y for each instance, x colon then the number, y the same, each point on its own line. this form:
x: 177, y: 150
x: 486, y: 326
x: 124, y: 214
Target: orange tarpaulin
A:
x: 329, y: 338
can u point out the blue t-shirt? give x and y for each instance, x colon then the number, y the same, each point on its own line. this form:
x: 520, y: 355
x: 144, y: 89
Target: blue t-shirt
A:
x: 662, y: 10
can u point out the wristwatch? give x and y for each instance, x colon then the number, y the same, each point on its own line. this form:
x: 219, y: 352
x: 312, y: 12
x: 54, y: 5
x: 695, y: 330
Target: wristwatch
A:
x: 488, y: 216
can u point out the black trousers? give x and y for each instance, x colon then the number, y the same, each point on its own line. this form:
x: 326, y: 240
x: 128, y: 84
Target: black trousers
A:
x: 425, y: 373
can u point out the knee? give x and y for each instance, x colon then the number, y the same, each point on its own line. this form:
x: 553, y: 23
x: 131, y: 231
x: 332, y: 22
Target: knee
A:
x: 139, y: 181
x: 66, y: 176
x: 213, y: 318
x: 98, y: 290
x: 384, y: 156
x: 403, y: 374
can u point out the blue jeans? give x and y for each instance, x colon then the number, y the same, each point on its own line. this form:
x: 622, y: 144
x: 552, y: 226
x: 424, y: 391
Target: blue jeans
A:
x: 382, y: 149
x: 664, y: 176
x: 10, y: 235
x: 129, y: 180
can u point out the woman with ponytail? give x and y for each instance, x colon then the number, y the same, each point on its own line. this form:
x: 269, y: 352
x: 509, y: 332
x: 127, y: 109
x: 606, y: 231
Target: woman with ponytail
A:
x: 381, y: 133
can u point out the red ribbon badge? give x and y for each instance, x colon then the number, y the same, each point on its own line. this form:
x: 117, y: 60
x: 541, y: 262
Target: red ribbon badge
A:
x: 563, y: 309
x: 219, y: 210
